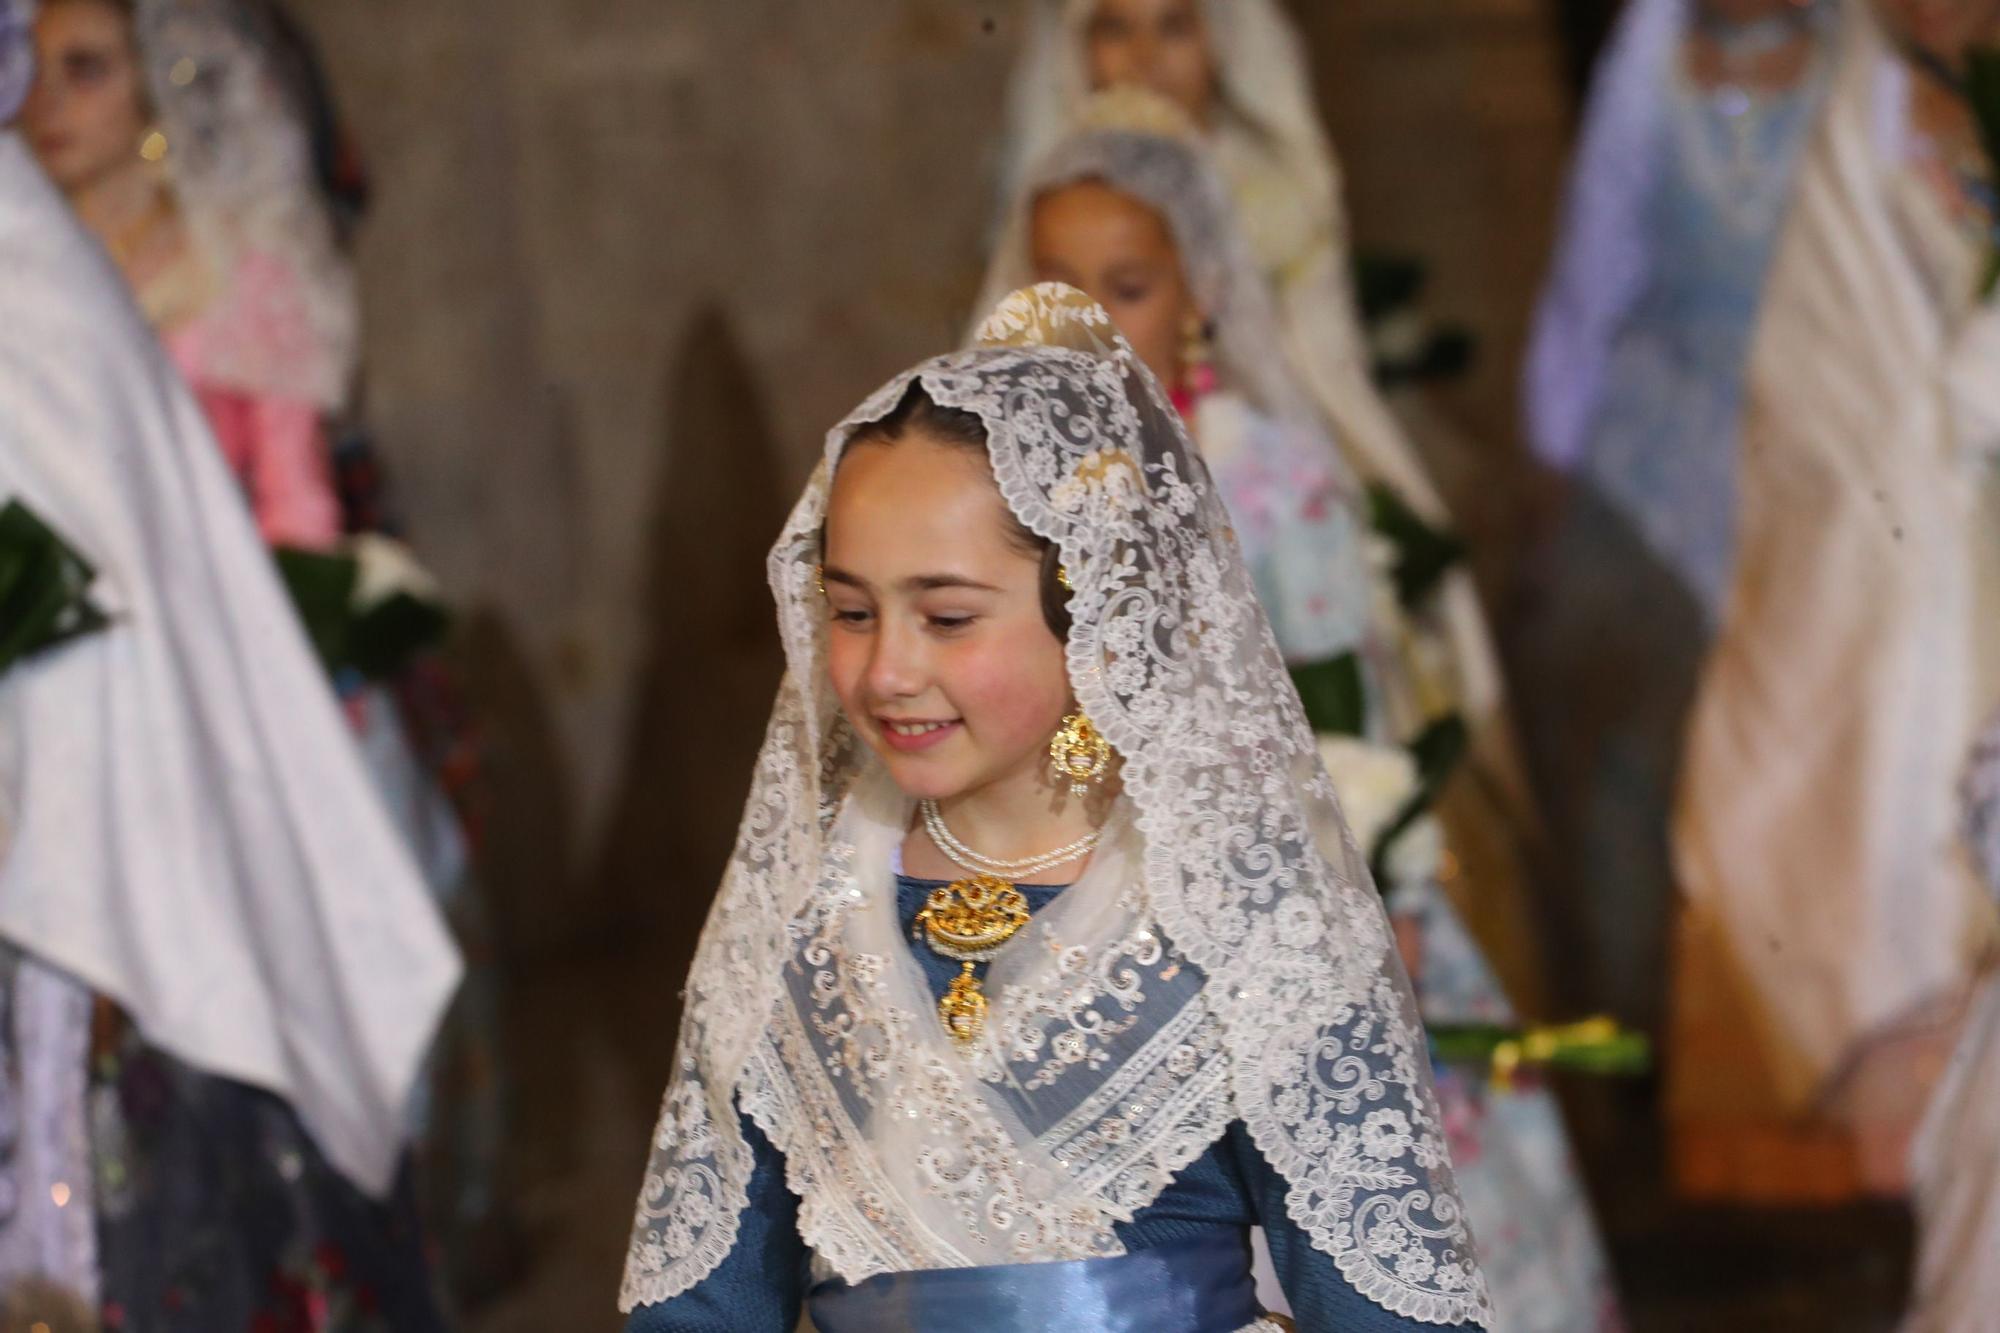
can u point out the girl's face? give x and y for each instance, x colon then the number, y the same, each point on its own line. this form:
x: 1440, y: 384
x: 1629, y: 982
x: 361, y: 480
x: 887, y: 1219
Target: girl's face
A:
x: 1120, y: 252
x: 1156, y: 44
x: 937, y: 648
x: 86, y: 113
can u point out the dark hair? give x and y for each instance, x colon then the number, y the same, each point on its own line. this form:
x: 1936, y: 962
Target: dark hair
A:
x: 127, y: 8
x: 917, y: 412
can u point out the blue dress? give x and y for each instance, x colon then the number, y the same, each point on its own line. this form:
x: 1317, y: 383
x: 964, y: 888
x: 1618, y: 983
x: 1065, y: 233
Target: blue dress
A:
x: 1633, y: 583
x: 1662, y: 448
x: 761, y: 1286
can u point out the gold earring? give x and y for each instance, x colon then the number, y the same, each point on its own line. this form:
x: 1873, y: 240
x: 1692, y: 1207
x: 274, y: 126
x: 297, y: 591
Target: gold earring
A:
x: 153, y: 145
x: 1196, y: 343
x: 819, y: 579
x: 1079, y: 753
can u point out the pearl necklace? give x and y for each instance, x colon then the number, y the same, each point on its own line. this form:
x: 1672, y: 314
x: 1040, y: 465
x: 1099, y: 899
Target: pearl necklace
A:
x: 965, y: 857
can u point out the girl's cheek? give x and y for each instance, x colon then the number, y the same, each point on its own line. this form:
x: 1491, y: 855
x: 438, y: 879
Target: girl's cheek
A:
x: 1010, y: 697
x: 845, y: 666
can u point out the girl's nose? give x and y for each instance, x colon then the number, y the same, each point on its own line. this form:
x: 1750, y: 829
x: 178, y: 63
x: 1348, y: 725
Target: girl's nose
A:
x: 896, y: 669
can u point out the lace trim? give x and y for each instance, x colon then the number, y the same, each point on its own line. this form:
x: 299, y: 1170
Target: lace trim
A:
x: 691, y: 1202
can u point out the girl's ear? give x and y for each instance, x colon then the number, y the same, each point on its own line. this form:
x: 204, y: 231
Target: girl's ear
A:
x: 1055, y: 591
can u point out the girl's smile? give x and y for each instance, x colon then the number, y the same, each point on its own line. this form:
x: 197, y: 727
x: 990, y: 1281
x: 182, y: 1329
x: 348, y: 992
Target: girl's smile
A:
x: 911, y: 735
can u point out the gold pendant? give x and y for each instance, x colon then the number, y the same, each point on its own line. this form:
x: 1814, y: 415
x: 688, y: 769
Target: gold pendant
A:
x: 968, y: 920
x: 963, y: 1008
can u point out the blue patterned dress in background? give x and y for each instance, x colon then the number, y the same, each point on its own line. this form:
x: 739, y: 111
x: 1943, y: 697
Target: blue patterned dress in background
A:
x: 1637, y: 571
x: 1662, y: 450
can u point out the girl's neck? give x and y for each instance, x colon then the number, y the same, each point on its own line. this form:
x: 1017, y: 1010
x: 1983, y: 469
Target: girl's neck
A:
x: 1011, y: 820
x: 1768, y: 54
x: 119, y: 201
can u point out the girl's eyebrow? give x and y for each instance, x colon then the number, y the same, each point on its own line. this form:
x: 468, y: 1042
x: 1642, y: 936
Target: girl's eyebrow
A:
x: 930, y: 582
x: 915, y: 583
x: 1130, y: 268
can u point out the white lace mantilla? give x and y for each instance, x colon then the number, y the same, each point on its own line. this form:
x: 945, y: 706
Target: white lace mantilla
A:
x: 1223, y: 958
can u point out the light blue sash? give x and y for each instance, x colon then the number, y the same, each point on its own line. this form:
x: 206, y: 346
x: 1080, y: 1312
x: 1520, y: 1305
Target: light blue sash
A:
x: 1201, y: 1285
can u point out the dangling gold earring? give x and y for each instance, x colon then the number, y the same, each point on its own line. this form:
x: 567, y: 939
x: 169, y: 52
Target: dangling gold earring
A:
x: 1196, y: 345
x: 1079, y: 753
x: 819, y: 579
x: 153, y: 145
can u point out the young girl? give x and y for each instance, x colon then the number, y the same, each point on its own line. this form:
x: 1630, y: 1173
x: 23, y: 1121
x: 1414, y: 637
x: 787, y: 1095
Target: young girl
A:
x: 166, y: 126
x: 1633, y: 387
x: 1830, y: 924
x: 1238, y: 71
x: 219, y: 969
x: 162, y: 124
x: 1045, y: 966
x: 1127, y: 208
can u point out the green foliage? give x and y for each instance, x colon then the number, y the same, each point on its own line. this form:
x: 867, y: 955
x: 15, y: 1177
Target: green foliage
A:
x: 44, y: 587
x: 1336, y: 702
x: 375, y: 642
x: 1982, y: 95
x: 1438, y: 749
x: 1424, y: 554
x: 1591, y: 1047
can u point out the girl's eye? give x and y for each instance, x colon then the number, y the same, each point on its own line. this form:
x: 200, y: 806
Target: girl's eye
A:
x: 950, y: 623
x: 86, y: 67
x: 850, y: 617
x: 1129, y: 293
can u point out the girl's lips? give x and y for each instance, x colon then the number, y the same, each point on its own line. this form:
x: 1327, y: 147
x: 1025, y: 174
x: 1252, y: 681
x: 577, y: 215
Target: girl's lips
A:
x: 936, y: 734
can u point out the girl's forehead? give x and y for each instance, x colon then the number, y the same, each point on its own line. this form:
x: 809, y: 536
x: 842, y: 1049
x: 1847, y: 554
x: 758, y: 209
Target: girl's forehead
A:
x: 914, y: 490
x: 83, y: 18
x: 1094, y: 210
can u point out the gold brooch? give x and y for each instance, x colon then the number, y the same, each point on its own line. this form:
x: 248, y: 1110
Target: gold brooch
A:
x: 968, y: 920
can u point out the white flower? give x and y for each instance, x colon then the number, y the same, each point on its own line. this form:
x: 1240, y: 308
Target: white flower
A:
x: 1223, y: 423
x: 1374, y: 782
x: 1414, y: 856
x: 385, y: 567
x: 1385, y: 1134
x: 1399, y: 336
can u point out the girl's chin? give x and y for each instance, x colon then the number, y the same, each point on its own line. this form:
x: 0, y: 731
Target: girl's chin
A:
x: 925, y: 780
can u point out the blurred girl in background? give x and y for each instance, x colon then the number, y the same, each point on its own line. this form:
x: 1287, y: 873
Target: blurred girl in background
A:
x: 167, y: 126
x: 1831, y: 920
x: 1127, y: 208
x: 1633, y: 389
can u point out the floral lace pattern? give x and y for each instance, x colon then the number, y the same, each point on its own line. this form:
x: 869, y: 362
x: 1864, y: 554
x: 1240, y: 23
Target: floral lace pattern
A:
x: 1223, y: 957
